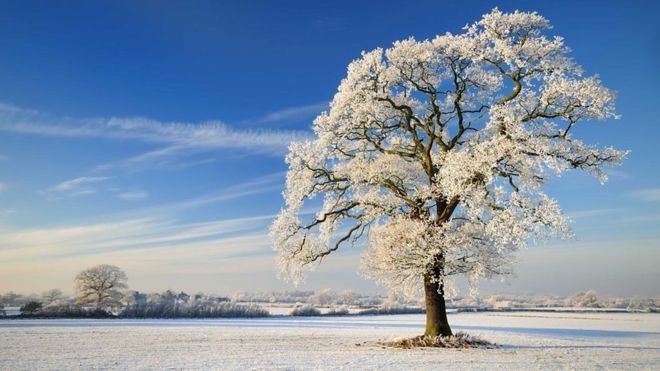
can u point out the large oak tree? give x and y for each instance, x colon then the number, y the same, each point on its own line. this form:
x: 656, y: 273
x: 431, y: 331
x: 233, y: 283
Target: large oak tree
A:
x: 437, y: 151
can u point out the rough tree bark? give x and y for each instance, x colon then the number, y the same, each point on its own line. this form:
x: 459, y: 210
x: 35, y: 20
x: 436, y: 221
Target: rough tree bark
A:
x: 434, y: 294
x: 436, y: 312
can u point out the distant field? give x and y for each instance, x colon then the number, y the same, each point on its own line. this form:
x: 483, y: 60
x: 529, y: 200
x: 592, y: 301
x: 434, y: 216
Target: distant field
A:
x: 528, y: 339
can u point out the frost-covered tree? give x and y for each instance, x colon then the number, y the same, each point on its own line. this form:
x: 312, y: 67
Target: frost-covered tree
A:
x: 53, y: 297
x: 101, y: 285
x: 585, y: 299
x: 437, y: 151
x: 347, y: 297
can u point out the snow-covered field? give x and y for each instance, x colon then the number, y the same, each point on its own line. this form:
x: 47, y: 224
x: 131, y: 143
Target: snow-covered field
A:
x: 528, y: 340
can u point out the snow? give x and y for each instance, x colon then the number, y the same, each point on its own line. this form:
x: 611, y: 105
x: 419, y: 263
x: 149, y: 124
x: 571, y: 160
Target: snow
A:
x: 12, y: 311
x: 529, y: 340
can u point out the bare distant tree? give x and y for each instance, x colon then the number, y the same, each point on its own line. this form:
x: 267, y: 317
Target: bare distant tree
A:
x: 347, y: 297
x: 101, y: 285
x: 52, y: 297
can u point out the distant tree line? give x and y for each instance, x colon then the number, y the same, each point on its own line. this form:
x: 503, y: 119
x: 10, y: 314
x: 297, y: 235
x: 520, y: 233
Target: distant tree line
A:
x: 177, y: 305
x: 102, y: 292
x: 327, y: 297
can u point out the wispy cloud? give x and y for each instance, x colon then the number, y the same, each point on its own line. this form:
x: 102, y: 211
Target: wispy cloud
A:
x: 174, y: 141
x: 156, y: 227
x: 133, y: 195
x: 647, y: 195
x: 3, y: 186
x: 5, y: 212
x: 79, y: 186
x: 293, y: 113
x: 640, y: 219
x: 178, y: 165
x: 229, y: 237
x: 158, y: 158
x: 616, y: 173
x: 167, y: 159
x: 79, y: 182
x: 206, y: 135
x: 589, y: 213
x: 265, y: 183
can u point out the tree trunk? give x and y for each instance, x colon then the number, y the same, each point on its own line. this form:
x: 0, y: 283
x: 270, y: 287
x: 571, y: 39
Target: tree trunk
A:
x: 436, y: 312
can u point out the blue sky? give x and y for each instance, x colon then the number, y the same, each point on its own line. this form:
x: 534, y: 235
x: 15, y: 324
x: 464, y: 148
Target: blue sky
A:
x: 151, y: 135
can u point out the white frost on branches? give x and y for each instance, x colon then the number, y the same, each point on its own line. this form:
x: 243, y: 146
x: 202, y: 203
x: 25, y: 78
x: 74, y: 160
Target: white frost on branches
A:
x: 437, y: 151
x: 101, y: 285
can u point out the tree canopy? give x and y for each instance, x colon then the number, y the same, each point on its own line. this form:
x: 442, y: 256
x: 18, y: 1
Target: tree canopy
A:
x: 437, y: 151
x: 101, y: 285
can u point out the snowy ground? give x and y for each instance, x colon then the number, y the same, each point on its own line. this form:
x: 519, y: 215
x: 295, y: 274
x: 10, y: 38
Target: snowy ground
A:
x: 529, y: 341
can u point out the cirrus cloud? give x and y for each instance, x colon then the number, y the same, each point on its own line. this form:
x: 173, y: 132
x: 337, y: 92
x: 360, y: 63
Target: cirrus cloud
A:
x: 647, y: 194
